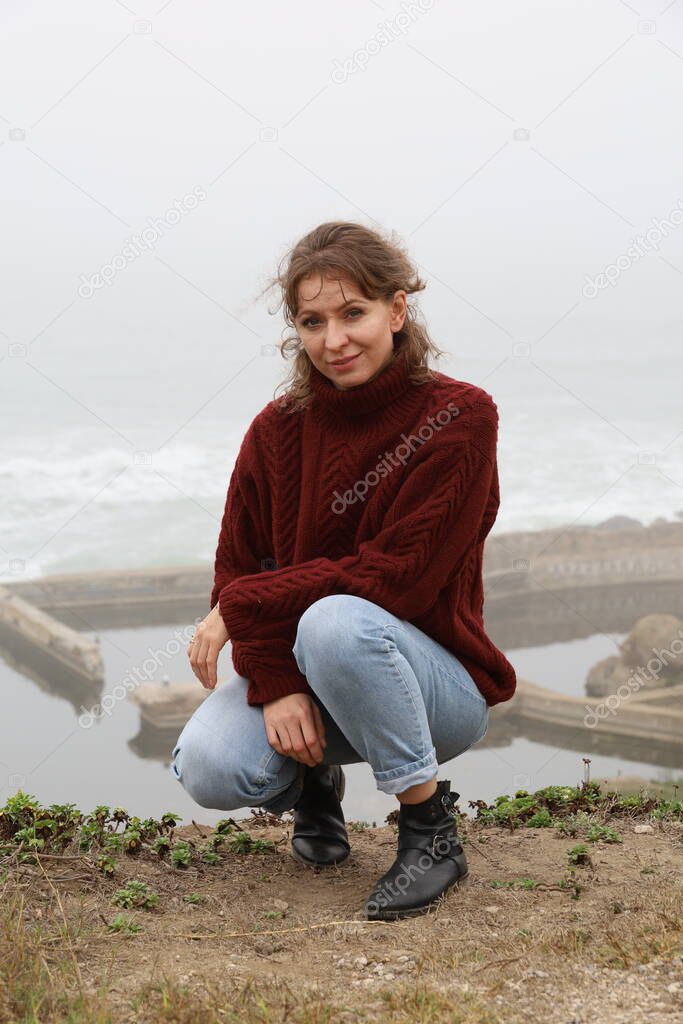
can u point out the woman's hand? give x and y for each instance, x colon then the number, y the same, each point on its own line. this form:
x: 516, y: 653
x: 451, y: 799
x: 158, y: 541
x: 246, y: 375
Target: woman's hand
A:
x: 294, y: 727
x: 209, y: 639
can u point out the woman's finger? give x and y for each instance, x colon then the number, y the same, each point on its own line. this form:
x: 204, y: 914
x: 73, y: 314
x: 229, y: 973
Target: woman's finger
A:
x: 311, y: 734
x: 306, y: 739
x: 211, y: 665
x: 204, y: 646
x: 192, y: 654
x: 273, y: 739
x: 290, y: 737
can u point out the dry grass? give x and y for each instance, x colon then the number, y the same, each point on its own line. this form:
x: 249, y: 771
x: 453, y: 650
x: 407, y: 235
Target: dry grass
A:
x: 271, y: 940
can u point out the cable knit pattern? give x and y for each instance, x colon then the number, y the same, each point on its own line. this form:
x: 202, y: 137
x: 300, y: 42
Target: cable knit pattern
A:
x: 386, y: 491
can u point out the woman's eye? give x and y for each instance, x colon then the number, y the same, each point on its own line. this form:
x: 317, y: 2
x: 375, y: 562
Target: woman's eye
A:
x: 310, y: 320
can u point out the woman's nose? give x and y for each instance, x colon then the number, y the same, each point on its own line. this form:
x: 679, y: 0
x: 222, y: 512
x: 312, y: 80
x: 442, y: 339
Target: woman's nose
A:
x: 335, y: 337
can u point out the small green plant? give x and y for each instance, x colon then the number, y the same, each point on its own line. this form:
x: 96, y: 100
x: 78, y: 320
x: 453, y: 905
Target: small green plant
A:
x: 243, y: 843
x: 358, y: 826
x: 193, y: 897
x: 16, y: 807
x: 578, y: 854
x: 603, y: 834
x: 131, y: 840
x: 113, y: 843
x: 226, y: 825
x: 541, y: 819
x: 106, y: 864
x: 181, y: 854
x: 216, y: 839
x: 161, y: 845
x: 636, y: 801
x: 567, y: 808
x: 572, y: 824
x: 668, y: 809
x: 136, y: 894
x: 124, y: 925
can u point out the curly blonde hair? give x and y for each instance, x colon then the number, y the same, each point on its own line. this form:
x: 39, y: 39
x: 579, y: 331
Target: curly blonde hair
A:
x: 378, y: 266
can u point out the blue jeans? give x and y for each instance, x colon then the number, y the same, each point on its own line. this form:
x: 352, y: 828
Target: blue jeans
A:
x: 389, y: 695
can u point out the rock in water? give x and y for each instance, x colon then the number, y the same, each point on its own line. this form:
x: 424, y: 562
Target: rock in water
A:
x: 651, y: 637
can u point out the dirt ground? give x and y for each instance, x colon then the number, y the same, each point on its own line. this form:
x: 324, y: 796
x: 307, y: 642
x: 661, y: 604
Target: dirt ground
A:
x: 269, y: 925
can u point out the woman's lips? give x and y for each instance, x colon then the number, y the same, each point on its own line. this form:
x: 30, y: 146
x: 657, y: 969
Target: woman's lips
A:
x: 346, y: 362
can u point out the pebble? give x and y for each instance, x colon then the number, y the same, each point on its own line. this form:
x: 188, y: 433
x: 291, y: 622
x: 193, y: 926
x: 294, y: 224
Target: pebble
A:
x: 674, y: 987
x: 360, y: 961
x: 492, y: 909
x: 643, y: 830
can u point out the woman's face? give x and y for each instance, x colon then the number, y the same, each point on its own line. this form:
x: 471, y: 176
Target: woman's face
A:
x: 336, y: 322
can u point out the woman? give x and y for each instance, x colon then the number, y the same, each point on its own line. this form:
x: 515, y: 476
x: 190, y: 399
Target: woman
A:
x: 348, y: 577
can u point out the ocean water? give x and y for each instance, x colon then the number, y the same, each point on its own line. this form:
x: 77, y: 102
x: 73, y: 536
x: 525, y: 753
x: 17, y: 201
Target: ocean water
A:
x: 48, y: 752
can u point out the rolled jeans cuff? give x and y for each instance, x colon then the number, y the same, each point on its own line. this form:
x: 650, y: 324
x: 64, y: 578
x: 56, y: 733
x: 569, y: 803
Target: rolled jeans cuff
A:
x: 397, y: 779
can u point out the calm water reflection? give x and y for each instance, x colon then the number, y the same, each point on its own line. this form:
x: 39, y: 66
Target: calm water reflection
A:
x: 47, y: 753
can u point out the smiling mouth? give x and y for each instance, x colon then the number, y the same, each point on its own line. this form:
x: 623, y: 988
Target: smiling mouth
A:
x: 343, y: 362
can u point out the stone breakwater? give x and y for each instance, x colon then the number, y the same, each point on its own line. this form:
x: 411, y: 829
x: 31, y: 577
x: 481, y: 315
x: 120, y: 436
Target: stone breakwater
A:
x: 540, y: 587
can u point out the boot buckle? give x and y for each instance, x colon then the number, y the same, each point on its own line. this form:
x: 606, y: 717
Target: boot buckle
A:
x: 448, y: 840
x: 448, y: 801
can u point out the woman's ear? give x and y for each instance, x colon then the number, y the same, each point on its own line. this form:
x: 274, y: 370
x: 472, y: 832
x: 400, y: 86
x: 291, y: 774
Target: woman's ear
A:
x: 399, y: 310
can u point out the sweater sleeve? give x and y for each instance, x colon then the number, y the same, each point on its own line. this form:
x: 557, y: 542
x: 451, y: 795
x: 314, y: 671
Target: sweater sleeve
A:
x: 242, y: 545
x: 445, y: 505
x: 244, y: 550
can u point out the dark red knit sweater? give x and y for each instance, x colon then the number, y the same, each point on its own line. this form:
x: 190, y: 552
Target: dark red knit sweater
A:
x: 386, y: 491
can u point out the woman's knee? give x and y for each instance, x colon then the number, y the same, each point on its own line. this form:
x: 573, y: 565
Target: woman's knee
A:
x: 329, y: 626
x: 216, y: 776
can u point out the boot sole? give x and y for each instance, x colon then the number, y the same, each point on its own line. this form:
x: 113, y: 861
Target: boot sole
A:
x: 394, y: 915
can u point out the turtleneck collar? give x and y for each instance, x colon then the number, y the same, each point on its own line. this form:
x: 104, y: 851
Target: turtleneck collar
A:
x: 364, y: 399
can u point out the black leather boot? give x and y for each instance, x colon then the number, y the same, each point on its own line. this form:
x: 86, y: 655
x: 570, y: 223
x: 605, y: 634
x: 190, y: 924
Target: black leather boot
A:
x: 319, y: 836
x: 429, y: 861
